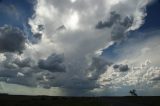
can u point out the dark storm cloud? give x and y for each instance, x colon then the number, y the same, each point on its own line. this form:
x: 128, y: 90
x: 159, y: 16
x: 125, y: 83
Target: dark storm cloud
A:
x: 24, y: 71
x: 121, y: 68
x: 17, y: 71
x: 54, y: 63
x: 116, y: 66
x: 38, y: 36
x: 86, y: 83
x: 78, y: 84
x: 11, y: 39
x: 113, y: 19
x: 40, y: 27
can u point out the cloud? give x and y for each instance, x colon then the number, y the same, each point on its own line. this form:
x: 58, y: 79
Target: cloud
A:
x: 38, y: 36
x: 118, y: 25
x: 8, y: 73
x: 120, y: 30
x: 23, y: 63
x: 16, y: 69
x: 141, y: 56
x: 53, y: 63
x: 98, y: 67
x: 11, y: 39
x: 114, y: 17
x: 23, y: 81
x: 40, y: 27
x: 79, y: 42
x: 121, y: 68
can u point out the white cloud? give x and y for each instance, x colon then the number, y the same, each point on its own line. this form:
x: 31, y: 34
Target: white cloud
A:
x: 73, y: 20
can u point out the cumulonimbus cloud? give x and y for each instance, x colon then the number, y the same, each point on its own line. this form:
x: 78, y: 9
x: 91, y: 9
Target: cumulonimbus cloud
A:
x: 83, y: 35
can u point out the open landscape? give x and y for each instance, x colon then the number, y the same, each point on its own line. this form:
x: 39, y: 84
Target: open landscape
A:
x: 15, y: 100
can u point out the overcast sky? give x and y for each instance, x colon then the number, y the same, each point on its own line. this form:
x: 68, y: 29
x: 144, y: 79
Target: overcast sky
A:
x: 79, y: 47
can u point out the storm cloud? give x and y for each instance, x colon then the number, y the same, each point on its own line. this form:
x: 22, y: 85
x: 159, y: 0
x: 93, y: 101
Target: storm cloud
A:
x: 11, y: 39
x: 71, y: 39
x: 84, y: 37
x: 54, y: 63
x: 121, y: 68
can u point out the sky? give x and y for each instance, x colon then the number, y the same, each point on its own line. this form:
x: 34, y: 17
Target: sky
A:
x: 80, y: 47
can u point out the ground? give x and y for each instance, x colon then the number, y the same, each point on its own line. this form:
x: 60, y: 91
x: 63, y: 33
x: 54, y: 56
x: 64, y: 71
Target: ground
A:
x: 15, y: 100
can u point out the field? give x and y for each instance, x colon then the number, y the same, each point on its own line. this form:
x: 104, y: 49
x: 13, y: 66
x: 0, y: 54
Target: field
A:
x: 15, y: 100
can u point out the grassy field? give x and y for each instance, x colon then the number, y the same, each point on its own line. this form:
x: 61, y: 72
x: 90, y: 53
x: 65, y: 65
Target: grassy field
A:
x: 15, y: 100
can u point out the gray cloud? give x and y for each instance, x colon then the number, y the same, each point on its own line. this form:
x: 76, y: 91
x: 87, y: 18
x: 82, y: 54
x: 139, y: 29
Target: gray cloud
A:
x: 115, y: 66
x: 13, y: 61
x: 24, y: 71
x: 80, y: 81
x: 23, y: 81
x: 24, y: 63
x: 53, y: 63
x: 119, y: 30
x: 8, y: 73
x: 127, y: 22
x: 98, y: 67
x: 121, y: 68
x: 88, y: 81
x: 38, y: 36
x: 17, y: 71
x: 11, y: 39
x: 40, y: 27
x: 114, y: 17
x: 118, y: 24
